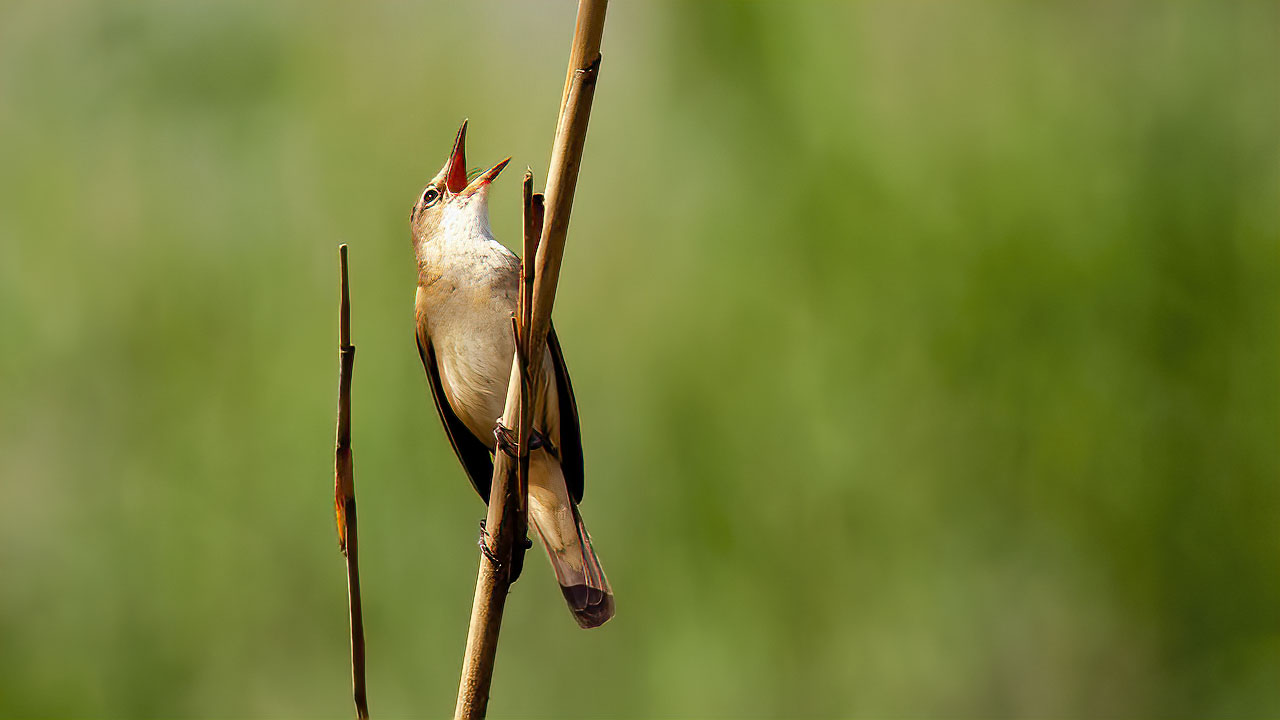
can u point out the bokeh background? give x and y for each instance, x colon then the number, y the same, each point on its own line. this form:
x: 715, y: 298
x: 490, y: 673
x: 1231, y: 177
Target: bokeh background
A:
x: 928, y: 355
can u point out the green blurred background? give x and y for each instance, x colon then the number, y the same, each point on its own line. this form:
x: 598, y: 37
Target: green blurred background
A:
x: 928, y: 356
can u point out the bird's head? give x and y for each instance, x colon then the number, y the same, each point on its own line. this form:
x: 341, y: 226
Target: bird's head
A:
x: 451, y: 204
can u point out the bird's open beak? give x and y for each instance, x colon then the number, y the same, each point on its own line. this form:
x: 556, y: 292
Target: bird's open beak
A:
x: 485, y: 178
x: 455, y: 172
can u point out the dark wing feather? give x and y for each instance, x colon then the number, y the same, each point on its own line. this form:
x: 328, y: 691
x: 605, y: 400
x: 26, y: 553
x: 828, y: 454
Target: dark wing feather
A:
x: 570, y: 430
x: 473, y: 453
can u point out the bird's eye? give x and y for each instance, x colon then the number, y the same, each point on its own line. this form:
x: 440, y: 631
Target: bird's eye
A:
x: 430, y: 196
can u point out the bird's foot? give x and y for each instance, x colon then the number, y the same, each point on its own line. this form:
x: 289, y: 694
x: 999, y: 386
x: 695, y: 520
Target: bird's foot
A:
x: 507, y: 443
x: 483, y: 542
x: 517, y: 553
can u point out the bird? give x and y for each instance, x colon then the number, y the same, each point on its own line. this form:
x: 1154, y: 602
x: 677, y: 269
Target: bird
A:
x: 468, y: 290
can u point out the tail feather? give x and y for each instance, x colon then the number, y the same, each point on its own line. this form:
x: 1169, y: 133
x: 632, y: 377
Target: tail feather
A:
x: 582, y: 580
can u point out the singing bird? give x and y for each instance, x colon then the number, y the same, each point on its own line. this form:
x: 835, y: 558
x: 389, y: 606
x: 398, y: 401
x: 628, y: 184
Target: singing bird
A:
x: 468, y: 286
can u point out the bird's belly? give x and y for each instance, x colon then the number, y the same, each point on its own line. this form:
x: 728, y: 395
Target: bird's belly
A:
x: 475, y: 367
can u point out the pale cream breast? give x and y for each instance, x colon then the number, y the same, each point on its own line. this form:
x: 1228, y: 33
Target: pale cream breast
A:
x: 468, y: 289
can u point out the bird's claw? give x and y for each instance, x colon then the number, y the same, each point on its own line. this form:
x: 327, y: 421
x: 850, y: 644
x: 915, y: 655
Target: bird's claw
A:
x: 483, y: 542
x: 507, y: 442
x: 517, y: 566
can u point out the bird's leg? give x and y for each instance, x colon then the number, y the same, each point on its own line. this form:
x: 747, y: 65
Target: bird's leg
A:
x: 507, y: 443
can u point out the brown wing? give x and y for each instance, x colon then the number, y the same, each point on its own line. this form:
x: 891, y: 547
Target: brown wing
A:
x: 473, y: 453
x: 570, y: 431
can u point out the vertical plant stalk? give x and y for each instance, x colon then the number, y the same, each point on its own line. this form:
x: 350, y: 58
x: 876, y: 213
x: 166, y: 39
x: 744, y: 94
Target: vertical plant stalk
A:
x: 507, y: 495
x: 344, y: 491
x: 533, y: 216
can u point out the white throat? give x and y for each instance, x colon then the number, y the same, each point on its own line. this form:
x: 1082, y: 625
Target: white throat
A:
x: 466, y: 222
x: 463, y: 248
